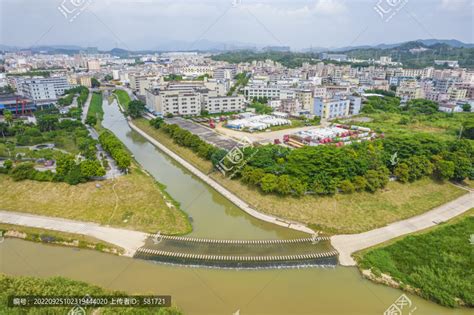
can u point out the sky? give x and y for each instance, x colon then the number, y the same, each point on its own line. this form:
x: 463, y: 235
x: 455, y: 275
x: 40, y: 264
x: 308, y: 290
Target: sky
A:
x: 183, y: 24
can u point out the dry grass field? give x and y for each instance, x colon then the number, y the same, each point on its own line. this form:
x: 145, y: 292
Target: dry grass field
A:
x: 134, y: 201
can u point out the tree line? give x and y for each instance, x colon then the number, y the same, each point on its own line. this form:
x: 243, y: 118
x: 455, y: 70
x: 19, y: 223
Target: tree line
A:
x: 112, y: 145
x: 327, y: 170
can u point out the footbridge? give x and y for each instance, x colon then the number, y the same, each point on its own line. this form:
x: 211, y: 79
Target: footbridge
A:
x: 313, y: 251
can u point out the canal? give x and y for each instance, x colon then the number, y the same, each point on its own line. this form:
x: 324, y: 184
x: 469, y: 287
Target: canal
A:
x: 208, y: 291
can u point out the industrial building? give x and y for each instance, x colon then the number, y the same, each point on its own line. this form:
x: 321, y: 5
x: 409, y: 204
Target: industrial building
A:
x: 44, y: 89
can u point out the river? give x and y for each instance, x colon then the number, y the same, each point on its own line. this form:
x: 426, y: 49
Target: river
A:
x: 206, y: 291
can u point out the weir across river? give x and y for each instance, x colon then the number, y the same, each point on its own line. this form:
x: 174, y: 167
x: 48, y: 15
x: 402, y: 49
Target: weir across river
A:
x: 238, y: 253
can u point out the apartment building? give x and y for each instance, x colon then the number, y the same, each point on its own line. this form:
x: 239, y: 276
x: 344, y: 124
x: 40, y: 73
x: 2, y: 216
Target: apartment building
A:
x: 305, y: 97
x: 355, y: 105
x: 93, y: 65
x: 223, y: 74
x: 456, y: 94
x: 191, y: 101
x: 331, y: 108
x: 261, y: 91
x: 224, y: 104
x: 410, y: 90
x: 83, y: 80
x: 173, y: 102
x: 140, y: 83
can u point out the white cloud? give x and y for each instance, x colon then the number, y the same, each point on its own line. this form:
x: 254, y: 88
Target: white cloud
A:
x: 455, y: 5
x: 330, y: 7
x: 288, y: 9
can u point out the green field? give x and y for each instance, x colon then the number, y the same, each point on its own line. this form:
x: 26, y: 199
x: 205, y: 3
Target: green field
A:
x: 134, y: 201
x: 95, y: 109
x: 123, y: 98
x: 444, y: 126
x: 59, y: 286
x: 436, y: 264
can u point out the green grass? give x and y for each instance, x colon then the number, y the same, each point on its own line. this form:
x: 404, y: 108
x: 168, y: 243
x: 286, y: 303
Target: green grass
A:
x: 57, y: 238
x: 442, y: 125
x: 95, y: 109
x: 59, y: 286
x: 342, y: 213
x: 123, y: 98
x: 354, y: 213
x: 436, y: 264
x: 135, y: 201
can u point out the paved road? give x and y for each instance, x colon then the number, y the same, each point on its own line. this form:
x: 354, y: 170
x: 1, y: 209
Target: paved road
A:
x: 85, y: 108
x: 346, y: 245
x: 129, y: 240
x: 206, y: 134
x: 223, y: 191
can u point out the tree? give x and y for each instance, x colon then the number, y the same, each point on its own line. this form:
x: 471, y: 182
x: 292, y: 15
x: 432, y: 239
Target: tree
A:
x: 284, y: 185
x: 23, y: 171
x: 91, y: 120
x: 47, y: 122
x: 324, y: 185
x: 3, y: 129
x: 8, y: 116
x: 157, y: 122
x: 360, y: 183
x: 8, y: 164
x: 95, y: 83
x: 169, y: 115
x: 91, y: 168
x: 64, y: 165
x: 298, y: 188
x: 136, y: 109
x: 269, y: 183
x: 108, y: 78
x: 402, y: 172
x: 376, y: 179
x: 443, y: 169
x: 74, y: 176
x: 466, y: 107
x: 347, y: 186
x: 468, y: 130
x: 217, y: 156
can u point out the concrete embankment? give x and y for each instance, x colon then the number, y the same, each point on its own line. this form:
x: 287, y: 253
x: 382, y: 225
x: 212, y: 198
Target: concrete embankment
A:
x: 220, y: 189
x: 129, y: 240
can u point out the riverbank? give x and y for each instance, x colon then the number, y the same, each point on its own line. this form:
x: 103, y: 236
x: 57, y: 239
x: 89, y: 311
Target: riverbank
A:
x: 51, y: 237
x: 58, y: 286
x: 223, y: 191
x: 339, y: 214
x: 434, y: 263
x: 347, y: 245
x: 134, y: 201
x: 128, y: 240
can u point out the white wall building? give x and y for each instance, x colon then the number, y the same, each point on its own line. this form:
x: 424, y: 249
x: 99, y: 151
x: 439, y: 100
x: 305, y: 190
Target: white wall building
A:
x: 40, y: 89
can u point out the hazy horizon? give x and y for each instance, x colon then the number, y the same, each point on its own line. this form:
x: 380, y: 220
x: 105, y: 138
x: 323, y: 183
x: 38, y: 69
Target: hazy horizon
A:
x: 184, y: 24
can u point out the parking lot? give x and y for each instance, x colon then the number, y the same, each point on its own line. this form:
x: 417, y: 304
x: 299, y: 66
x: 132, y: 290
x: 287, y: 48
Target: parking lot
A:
x: 204, y: 133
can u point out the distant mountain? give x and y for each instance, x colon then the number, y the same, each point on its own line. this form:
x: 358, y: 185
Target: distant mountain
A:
x: 426, y: 42
x: 450, y: 42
